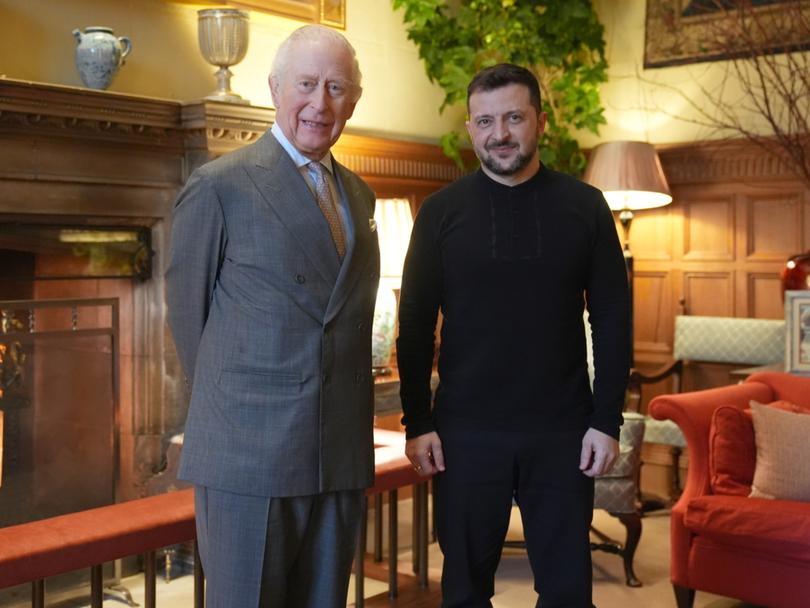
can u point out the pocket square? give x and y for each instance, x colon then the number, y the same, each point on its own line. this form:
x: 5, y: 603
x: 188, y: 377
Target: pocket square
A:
x: 372, y: 224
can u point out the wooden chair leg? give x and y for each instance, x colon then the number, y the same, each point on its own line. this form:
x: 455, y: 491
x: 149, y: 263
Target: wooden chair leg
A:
x: 378, y: 527
x: 684, y: 597
x: 632, y: 523
x: 422, y: 540
x: 393, y: 549
x: 38, y: 593
x: 96, y: 586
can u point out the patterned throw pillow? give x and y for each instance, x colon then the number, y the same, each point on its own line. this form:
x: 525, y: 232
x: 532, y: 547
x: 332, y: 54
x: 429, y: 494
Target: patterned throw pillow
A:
x: 732, y: 447
x: 783, y: 454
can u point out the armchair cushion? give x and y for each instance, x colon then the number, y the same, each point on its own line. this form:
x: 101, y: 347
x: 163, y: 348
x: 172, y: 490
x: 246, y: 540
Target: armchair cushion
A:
x: 732, y: 447
x: 732, y: 451
x: 776, y: 527
x: 783, y: 454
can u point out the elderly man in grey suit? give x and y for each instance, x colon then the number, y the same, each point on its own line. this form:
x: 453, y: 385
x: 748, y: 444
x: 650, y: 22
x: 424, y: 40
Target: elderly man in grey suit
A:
x: 271, y: 287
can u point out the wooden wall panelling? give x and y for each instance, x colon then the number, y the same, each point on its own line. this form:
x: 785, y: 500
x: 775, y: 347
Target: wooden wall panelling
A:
x: 806, y: 222
x: 709, y: 293
x: 773, y: 223
x: 651, y: 237
x: 763, y: 295
x: 736, y: 216
x: 652, y: 242
x: 652, y: 305
x: 709, y: 233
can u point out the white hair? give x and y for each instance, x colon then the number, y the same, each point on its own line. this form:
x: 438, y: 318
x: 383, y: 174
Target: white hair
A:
x: 315, y: 33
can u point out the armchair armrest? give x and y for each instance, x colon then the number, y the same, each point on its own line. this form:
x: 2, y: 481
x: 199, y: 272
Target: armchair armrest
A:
x: 692, y: 412
x: 668, y: 369
x: 637, y: 378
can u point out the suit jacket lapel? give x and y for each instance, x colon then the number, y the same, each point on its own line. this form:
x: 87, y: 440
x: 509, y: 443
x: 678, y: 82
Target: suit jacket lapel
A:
x: 361, y: 208
x: 282, y: 186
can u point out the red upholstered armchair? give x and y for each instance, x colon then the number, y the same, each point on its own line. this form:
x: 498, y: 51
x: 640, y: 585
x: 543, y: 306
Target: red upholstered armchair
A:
x: 753, y: 549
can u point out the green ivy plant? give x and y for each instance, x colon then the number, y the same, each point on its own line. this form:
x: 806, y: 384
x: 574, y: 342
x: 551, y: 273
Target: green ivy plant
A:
x: 561, y: 41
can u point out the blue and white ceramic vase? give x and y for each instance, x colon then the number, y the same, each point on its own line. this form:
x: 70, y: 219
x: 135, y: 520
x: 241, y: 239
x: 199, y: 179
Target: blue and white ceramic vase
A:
x: 99, y: 55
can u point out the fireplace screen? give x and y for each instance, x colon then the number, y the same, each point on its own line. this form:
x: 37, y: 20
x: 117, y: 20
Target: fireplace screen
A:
x: 59, y: 403
x: 59, y: 397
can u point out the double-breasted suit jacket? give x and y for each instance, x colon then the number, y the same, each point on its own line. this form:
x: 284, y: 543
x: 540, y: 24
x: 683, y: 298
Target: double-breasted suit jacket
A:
x: 272, y: 331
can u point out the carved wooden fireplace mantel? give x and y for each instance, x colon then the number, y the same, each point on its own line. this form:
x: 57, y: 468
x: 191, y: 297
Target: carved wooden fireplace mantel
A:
x: 62, y: 135
x: 74, y: 156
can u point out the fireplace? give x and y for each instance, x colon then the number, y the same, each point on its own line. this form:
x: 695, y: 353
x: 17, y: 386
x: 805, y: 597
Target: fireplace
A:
x: 66, y: 335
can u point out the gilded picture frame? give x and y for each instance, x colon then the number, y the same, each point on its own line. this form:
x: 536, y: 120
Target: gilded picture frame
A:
x: 797, y: 331
x: 686, y: 31
x: 325, y: 12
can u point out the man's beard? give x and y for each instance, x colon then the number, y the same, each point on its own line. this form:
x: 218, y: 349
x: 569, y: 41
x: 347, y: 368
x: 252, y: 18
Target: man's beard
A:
x: 519, y: 163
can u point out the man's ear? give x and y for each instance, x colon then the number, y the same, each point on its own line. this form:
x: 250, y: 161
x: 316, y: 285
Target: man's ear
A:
x: 542, y: 118
x: 350, y: 110
x: 274, y: 85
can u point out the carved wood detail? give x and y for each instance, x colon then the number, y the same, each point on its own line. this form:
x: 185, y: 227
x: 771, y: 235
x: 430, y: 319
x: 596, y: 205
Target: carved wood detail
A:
x: 725, y: 161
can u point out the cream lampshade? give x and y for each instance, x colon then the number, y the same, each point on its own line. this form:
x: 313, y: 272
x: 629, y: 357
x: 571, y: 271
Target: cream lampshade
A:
x: 630, y: 175
x: 394, y: 223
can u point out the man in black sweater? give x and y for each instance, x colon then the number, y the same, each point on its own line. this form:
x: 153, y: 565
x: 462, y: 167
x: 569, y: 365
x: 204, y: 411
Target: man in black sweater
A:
x: 510, y: 255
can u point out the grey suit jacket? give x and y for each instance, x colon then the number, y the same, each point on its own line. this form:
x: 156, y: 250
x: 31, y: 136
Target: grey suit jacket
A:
x: 272, y: 331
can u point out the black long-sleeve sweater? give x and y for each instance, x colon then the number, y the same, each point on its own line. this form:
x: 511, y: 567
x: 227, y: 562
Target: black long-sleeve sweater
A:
x: 511, y: 268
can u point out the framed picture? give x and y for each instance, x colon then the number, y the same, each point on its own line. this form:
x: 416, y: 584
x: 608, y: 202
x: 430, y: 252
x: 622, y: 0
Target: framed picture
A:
x: 797, y: 331
x: 326, y: 12
x: 690, y: 31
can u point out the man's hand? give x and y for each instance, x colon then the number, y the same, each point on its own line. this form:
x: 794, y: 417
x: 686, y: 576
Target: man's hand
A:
x: 599, y: 452
x: 425, y: 453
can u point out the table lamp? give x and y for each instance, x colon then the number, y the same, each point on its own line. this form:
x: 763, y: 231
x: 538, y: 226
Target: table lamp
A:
x: 394, y: 223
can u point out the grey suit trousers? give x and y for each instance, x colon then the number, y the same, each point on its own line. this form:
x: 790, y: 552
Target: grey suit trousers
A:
x: 263, y: 552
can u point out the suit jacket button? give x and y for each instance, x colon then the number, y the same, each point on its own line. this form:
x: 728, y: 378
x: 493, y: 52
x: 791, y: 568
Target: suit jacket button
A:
x: 360, y: 326
x: 325, y: 378
x: 358, y: 377
x: 300, y: 279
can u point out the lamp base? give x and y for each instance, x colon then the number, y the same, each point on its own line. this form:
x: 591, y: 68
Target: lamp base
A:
x: 384, y: 327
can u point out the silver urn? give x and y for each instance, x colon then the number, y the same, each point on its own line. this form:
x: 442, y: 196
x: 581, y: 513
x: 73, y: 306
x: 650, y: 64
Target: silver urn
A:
x: 223, y: 35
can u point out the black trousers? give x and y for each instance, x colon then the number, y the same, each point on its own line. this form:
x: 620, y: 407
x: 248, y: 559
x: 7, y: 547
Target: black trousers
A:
x: 485, y: 470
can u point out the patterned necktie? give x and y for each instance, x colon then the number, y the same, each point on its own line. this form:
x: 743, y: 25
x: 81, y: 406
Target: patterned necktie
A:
x: 328, y: 208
